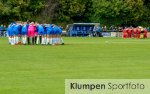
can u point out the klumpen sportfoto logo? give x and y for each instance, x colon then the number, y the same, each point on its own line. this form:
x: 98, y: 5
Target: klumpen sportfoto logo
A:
x: 107, y: 86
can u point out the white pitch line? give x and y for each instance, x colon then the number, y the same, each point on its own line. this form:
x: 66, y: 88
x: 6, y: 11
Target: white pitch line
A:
x: 110, y: 42
x: 129, y: 42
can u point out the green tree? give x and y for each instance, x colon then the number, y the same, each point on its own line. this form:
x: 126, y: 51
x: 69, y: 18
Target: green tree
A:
x: 12, y: 10
x: 131, y: 12
x: 75, y: 10
x: 119, y: 11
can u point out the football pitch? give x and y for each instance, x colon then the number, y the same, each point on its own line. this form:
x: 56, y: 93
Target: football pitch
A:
x: 37, y: 69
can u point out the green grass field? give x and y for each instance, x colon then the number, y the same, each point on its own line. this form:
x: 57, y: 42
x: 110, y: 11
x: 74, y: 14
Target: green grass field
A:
x: 43, y: 69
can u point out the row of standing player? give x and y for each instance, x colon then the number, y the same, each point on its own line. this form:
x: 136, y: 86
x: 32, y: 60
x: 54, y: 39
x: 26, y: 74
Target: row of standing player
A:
x: 38, y: 33
x: 135, y: 32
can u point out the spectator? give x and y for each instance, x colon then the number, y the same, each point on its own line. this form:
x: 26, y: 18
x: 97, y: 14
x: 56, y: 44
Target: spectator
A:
x: 105, y: 28
x: 98, y: 31
x: 2, y: 30
x: 115, y: 29
x: 148, y: 29
x: 120, y: 28
x: 111, y: 28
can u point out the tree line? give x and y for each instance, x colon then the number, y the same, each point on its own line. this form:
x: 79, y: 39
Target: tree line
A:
x: 106, y: 12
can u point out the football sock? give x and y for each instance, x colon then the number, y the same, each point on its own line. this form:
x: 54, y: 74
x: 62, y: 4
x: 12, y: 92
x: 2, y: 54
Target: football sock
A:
x: 12, y: 41
x: 9, y: 40
x: 57, y: 40
x: 16, y: 40
x: 29, y: 40
x: 33, y: 40
x: 25, y: 40
x: 47, y: 41
x: 51, y: 41
x: 37, y: 41
x: 40, y: 39
x: 62, y: 41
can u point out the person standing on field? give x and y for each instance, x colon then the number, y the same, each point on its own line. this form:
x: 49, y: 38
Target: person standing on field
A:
x: 49, y: 32
x: 145, y: 33
x: 138, y: 32
x: 31, y: 32
x: 125, y: 33
x: 11, y: 34
x: 41, y: 33
x: 24, y: 32
x: 17, y: 31
x: 135, y: 32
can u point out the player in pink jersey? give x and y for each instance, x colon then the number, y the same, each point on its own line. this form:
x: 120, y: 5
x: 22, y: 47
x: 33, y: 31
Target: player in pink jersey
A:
x: 31, y: 32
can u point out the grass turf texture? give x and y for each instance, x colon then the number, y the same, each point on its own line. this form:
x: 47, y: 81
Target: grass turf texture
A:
x: 43, y: 69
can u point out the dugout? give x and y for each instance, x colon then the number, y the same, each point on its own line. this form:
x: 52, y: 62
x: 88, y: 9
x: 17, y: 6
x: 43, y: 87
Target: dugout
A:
x: 82, y: 29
